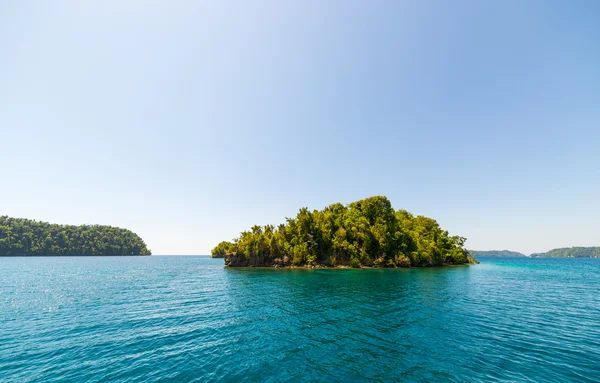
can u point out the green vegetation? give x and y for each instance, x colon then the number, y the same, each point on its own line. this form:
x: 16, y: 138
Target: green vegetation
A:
x: 570, y: 252
x: 496, y: 253
x: 364, y: 233
x: 222, y: 249
x: 27, y: 237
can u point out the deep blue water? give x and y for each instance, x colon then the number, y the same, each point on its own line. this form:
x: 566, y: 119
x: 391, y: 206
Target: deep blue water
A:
x: 179, y: 319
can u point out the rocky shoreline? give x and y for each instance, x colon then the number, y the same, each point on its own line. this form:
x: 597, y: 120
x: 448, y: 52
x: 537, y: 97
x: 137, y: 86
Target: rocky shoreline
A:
x: 232, y: 260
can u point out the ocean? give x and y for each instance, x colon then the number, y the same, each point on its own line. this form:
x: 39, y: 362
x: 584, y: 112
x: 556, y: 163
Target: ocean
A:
x: 189, y: 319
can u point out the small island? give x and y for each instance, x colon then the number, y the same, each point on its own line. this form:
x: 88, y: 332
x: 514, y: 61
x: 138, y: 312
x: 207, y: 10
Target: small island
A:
x: 365, y: 233
x: 25, y: 237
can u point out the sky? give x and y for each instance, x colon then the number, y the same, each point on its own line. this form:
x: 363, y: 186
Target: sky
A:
x: 190, y: 121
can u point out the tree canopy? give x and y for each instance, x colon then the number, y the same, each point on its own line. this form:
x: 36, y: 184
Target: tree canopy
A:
x: 20, y: 236
x: 222, y: 249
x: 368, y: 232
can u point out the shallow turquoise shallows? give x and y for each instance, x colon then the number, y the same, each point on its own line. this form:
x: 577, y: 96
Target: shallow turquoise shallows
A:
x: 183, y: 319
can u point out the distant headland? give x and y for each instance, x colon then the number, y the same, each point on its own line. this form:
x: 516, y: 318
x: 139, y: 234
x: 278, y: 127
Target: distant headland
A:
x: 570, y: 252
x: 365, y: 233
x: 563, y: 252
x: 496, y: 253
x: 25, y: 237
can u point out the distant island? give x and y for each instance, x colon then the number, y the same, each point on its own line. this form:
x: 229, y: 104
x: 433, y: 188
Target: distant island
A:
x: 19, y: 236
x: 365, y: 233
x: 570, y: 252
x: 564, y: 252
x: 496, y: 253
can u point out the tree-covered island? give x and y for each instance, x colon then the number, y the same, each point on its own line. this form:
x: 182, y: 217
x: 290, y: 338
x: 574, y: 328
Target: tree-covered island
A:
x: 20, y: 236
x: 367, y: 233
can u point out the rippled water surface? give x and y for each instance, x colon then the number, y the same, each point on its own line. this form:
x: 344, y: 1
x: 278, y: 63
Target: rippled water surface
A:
x: 179, y: 319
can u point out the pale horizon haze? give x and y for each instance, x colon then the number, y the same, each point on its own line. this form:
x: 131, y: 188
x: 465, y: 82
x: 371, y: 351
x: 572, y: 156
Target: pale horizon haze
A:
x: 187, y: 122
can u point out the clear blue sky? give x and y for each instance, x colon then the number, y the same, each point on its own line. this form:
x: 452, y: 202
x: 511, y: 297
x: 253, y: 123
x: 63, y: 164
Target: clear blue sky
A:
x: 190, y: 121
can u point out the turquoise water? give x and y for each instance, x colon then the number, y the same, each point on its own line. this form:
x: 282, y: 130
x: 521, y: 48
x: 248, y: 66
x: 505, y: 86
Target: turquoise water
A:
x: 178, y: 319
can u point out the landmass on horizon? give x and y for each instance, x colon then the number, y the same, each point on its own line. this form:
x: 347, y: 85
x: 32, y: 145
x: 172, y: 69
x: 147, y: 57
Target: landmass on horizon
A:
x: 376, y: 238
x: 365, y: 233
x: 25, y: 237
x: 496, y: 253
x: 570, y: 252
x: 562, y: 252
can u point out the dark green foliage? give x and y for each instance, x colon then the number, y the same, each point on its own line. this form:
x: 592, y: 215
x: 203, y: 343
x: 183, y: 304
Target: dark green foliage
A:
x: 222, y: 249
x: 496, y: 253
x: 27, y: 237
x: 570, y: 252
x: 368, y: 232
